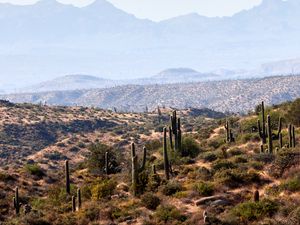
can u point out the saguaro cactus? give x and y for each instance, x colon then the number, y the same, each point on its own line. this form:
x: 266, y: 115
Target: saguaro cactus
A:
x: 73, y: 204
x: 79, y: 198
x: 290, y: 136
x: 16, y: 201
x: 67, y: 174
x: 279, y: 127
x: 165, y: 153
x: 280, y: 140
x: 106, y: 163
x: 229, y: 134
x: 134, y: 171
x: 144, y: 158
x: 256, y: 196
x: 170, y: 137
x: 294, y: 137
x: 270, y: 140
x: 262, y: 128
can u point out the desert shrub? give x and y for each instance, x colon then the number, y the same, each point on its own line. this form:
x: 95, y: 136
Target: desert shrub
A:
x: 240, y: 159
x: 223, y: 164
x: 189, y: 147
x: 250, y: 211
x: 35, y: 170
x: 244, y: 138
x: 203, y: 173
x: 104, y: 189
x: 209, y: 157
x: 167, y: 214
x: 204, y: 188
x: 153, y: 182
x: 216, y: 143
x: 6, y: 177
x: 247, y: 125
x: 294, y: 112
x: 236, y: 151
x: 292, y: 184
x: 264, y: 157
x: 293, y: 217
x: 55, y: 156
x: 150, y: 201
x: 96, y: 159
x: 236, y: 177
x: 153, y: 145
x: 171, y: 188
x: 285, y: 159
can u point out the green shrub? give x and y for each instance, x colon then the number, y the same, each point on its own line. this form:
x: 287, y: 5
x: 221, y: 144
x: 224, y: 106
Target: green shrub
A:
x: 35, y: 170
x: 204, y: 188
x: 171, y: 188
x: 249, y: 211
x: 189, y: 147
x: 168, y: 214
x: 150, y: 201
x: 292, y: 185
x: 223, y: 164
x: 104, y: 189
x: 209, y: 157
x: 236, y: 177
x: 96, y: 159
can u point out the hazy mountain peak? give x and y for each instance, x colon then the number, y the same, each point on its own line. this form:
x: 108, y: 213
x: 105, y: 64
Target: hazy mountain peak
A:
x: 177, y: 71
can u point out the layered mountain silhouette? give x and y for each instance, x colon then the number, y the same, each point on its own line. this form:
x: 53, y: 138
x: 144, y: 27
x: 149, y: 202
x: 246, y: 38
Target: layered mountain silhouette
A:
x: 44, y: 40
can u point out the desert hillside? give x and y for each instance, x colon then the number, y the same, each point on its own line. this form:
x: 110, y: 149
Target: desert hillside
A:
x: 224, y: 96
x: 77, y: 165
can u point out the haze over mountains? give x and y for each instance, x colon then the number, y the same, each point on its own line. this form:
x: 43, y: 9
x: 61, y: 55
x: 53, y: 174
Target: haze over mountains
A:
x: 43, y: 41
x: 230, y: 95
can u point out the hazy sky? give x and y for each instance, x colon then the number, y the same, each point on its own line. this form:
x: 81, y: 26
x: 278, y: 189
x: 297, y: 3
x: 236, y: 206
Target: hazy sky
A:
x: 163, y: 9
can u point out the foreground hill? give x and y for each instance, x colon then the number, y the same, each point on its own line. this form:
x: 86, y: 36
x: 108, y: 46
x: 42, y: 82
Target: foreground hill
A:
x: 229, y: 95
x: 204, y: 171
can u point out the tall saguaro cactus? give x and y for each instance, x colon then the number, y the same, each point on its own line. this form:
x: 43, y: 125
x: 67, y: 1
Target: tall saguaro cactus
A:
x: 106, y: 163
x: 294, y: 137
x: 165, y: 153
x: 171, y: 137
x: 279, y: 127
x: 134, y: 172
x: 67, y: 174
x: 144, y: 158
x: 290, y: 136
x: 16, y: 201
x: 270, y: 140
x: 229, y: 134
x: 262, y: 128
x: 73, y: 204
x: 280, y: 140
x: 79, y: 198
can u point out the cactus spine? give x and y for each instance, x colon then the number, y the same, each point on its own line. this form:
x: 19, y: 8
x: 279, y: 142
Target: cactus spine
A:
x: 270, y: 141
x: 134, y: 172
x: 165, y: 153
x: 79, y: 198
x: 262, y: 128
x: 16, y: 201
x: 67, y: 174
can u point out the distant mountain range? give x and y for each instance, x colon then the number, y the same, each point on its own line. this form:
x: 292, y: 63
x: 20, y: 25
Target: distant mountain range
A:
x: 169, y: 76
x: 41, y: 41
x: 229, y: 95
